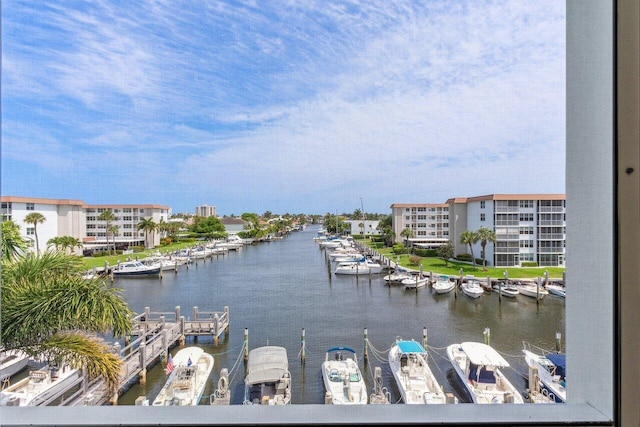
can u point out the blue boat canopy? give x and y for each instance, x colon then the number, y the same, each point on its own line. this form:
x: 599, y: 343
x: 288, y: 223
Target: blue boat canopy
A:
x: 560, y: 361
x: 410, y: 347
x: 341, y: 349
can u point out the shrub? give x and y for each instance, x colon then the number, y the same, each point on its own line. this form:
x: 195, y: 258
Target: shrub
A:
x: 529, y: 264
x: 398, y: 249
x: 137, y: 249
x: 425, y: 252
x: 414, y: 260
x: 165, y: 242
x: 480, y: 261
x: 464, y: 257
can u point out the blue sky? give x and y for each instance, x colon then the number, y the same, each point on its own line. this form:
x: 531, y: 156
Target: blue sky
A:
x: 290, y: 106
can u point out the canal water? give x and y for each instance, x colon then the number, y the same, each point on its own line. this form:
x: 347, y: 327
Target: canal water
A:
x: 276, y: 289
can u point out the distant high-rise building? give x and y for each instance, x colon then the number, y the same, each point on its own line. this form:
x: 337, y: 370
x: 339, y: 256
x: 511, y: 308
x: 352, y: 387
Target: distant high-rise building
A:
x: 205, y: 211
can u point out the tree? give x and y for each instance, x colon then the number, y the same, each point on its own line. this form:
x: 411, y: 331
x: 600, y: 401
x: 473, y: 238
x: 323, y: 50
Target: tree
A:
x: 64, y: 243
x: 108, y: 217
x: 469, y: 237
x: 113, y: 230
x: 148, y: 226
x: 35, y: 218
x: 49, y: 310
x: 13, y: 244
x: 445, y: 252
x: 484, y: 236
x: 407, y: 233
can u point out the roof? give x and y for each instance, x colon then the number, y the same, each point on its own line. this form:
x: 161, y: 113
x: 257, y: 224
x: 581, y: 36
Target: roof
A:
x: 227, y: 220
x: 410, y: 347
x: 42, y: 201
x: 482, y: 354
x: 266, y: 364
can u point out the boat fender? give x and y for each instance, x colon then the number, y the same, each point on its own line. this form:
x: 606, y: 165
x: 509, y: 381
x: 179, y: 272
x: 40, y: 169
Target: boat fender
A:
x: 222, y: 384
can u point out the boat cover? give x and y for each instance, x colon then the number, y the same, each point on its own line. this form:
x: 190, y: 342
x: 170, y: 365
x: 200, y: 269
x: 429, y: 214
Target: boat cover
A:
x: 266, y: 364
x: 410, y: 347
x: 482, y: 354
x: 560, y: 361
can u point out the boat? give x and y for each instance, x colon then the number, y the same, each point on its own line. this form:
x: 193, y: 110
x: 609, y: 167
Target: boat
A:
x: 343, y: 381
x: 268, y: 381
x: 479, y: 367
x: 361, y: 266
x: 551, y: 369
x: 188, y: 372
x: 416, y: 382
x: 472, y: 288
x: 397, y: 276
x: 443, y: 285
x: 12, y: 362
x: 506, y: 290
x: 41, y: 387
x: 532, y: 290
x: 136, y: 268
x: 556, y: 289
x: 415, y: 281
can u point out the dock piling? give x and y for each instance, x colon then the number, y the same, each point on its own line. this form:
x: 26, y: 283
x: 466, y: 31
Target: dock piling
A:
x: 246, y: 345
x: 303, y: 355
x: 366, y: 346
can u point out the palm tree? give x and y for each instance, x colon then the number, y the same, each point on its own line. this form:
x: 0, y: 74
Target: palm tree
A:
x: 35, y: 218
x: 108, y: 217
x: 49, y: 310
x: 113, y: 230
x: 57, y: 242
x: 148, y: 226
x: 485, y: 235
x: 469, y: 237
x: 13, y: 244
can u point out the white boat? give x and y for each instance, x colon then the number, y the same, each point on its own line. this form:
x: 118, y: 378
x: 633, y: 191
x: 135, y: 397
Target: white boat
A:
x: 346, y: 257
x: 12, y: 362
x: 189, y: 372
x: 532, y: 290
x: 479, y: 367
x: 556, y: 289
x: 41, y: 387
x: 136, y: 268
x: 358, y: 267
x: 416, y: 382
x: 268, y: 380
x: 551, y: 372
x: 343, y: 381
x: 443, y: 285
x: 397, y: 276
x: 415, y: 282
x: 472, y: 288
x: 506, y: 290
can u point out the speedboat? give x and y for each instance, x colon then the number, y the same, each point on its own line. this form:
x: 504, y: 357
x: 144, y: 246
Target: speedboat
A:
x: 188, y: 373
x: 506, y: 290
x: 343, y: 381
x: 443, y: 285
x: 556, y: 289
x: 532, y: 290
x: 358, y: 267
x: 472, y: 288
x: 551, y: 369
x: 415, y: 282
x: 416, y: 382
x: 268, y: 380
x: 479, y: 367
x: 41, y: 387
x: 397, y: 276
x: 136, y: 268
x: 12, y: 362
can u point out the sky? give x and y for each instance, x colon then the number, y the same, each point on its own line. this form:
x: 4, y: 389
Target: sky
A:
x: 284, y: 106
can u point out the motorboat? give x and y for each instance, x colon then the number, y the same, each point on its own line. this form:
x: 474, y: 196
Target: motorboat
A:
x: 343, y: 381
x: 443, y: 285
x: 551, y: 369
x: 41, y: 387
x: 478, y: 367
x: 12, y: 362
x: 415, y: 282
x: 556, y: 289
x: 361, y: 266
x: 188, y: 372
x: 397, y: 276
x: 268, y: 380
x: 506, y: 289
x: 408, y: 360
x: 472, y: 288
x: 532, y: 290
x: 136, y: 268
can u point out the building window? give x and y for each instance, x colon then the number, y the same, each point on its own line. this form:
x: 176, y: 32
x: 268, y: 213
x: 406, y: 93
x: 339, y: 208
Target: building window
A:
x: 30, y: 206
x: 31, y: 231
x: 526, y: 217
x: 482, y: 204
x: 526, y: 203
x: 482, y: 217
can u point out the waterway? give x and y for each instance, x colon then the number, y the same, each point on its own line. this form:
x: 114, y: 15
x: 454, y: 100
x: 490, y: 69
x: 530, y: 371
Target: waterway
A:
x: 276, y: 289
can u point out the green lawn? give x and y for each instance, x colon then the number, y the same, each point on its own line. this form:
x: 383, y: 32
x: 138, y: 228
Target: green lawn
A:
x: 437, y: 265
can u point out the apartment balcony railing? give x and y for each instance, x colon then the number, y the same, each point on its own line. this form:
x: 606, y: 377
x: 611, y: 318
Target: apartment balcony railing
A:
x: 551, y: 222
x: 514, y: 223
x: 551, y: 209
x: 551, y: 236
x: 509, y: 237
x: 551, y: 250
x: 507, y: 209
x: 507, y: 250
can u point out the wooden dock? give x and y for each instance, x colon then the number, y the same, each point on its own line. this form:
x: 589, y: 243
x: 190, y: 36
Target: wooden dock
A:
x: 151, y: 337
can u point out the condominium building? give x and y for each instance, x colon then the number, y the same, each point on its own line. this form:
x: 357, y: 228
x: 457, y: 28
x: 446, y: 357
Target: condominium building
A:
x: 366, y: 227
x: 428, y: 222
x: 205, y: 211
x: 527, y: 227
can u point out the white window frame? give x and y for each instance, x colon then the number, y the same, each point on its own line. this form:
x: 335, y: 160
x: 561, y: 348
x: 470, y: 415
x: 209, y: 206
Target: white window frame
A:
x: 594, y: 390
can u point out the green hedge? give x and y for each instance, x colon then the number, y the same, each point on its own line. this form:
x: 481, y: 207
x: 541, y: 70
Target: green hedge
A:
x: 529, y: 264
x: 427, y: 253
